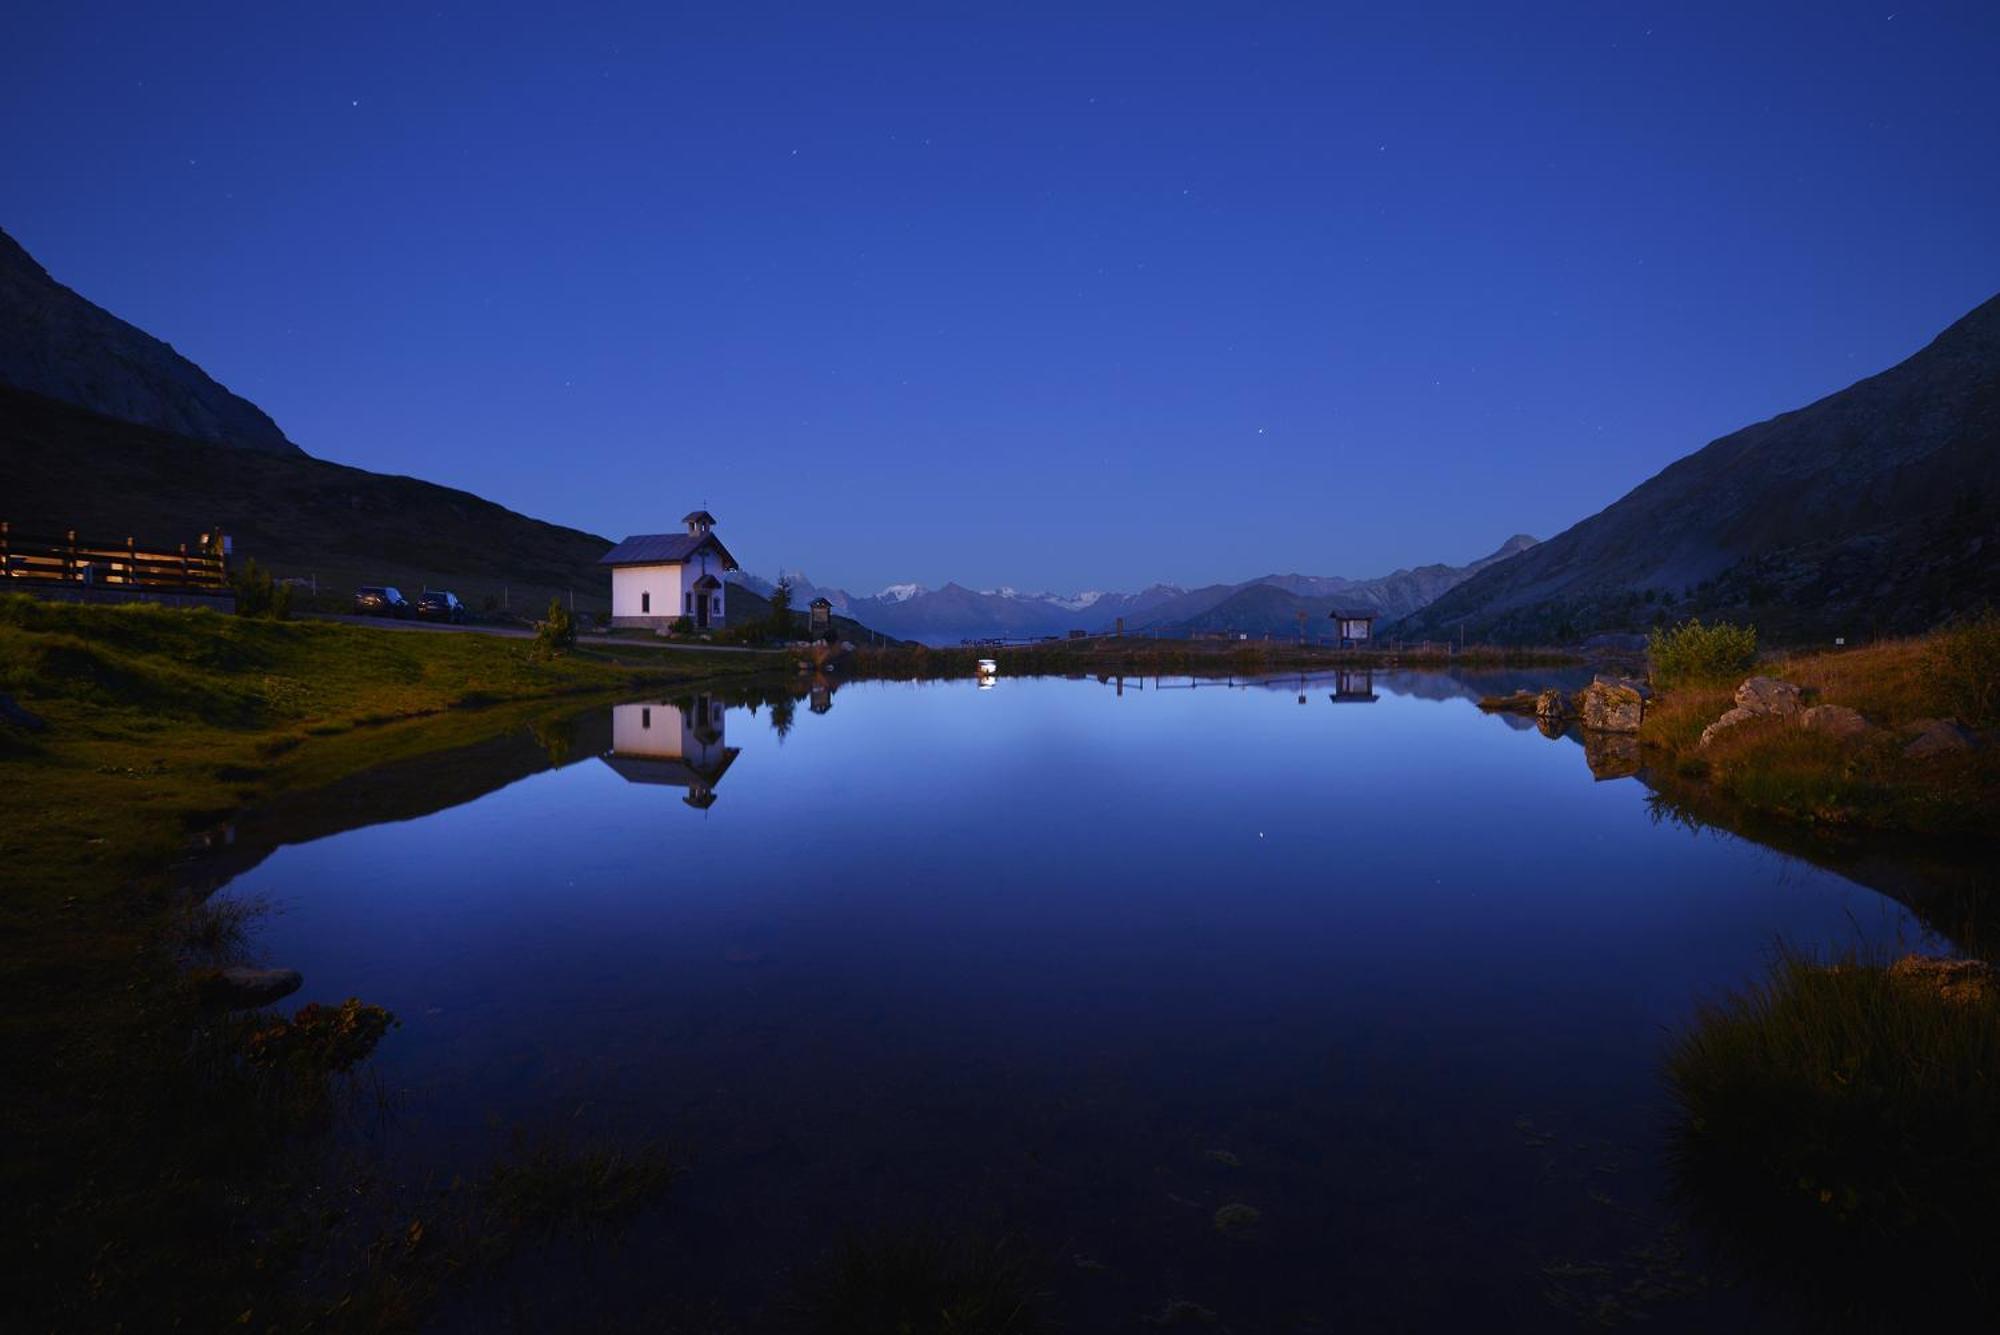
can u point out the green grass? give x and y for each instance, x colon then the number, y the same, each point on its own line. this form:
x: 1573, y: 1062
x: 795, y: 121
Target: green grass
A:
x: 1840, y: 1131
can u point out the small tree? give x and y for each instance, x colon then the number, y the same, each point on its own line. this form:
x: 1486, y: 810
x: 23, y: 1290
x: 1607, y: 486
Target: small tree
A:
x: 781, y: 610
x: 260, y: 595
x: 557, y: 632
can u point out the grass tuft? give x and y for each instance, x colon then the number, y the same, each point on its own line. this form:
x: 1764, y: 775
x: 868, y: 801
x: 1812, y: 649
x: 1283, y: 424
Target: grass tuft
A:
x: 1840, y: 1127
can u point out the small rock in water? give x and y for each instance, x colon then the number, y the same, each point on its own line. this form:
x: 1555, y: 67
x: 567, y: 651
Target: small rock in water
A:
x: 1768, y: 695
x: 240, y: 987
x: 1225, y: 1158
x: 1180, y: 1312
x: 1236, y: 1218
x: 1551, y: 705
x: 1953, y: 980
x: 1835, y: 721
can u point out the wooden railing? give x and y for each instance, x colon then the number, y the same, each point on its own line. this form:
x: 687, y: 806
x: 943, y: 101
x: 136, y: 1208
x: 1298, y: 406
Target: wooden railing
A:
x: 42, y: 559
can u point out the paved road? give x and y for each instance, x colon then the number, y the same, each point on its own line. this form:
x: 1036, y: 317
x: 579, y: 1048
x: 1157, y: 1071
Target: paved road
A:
x: 523, y: 633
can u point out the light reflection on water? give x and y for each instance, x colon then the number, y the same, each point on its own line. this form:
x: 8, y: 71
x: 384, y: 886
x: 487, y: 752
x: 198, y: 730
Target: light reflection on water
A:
x: 1081, y: 960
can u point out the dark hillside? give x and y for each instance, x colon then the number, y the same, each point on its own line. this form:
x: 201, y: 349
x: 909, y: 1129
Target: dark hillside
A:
x: 55, y: 342
x: 1875, y: 510
x: 67, y: 468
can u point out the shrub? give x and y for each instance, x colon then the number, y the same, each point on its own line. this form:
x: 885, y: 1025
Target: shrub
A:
x: 1840, y: 1126
x: 321, y: 1038
x: 1962, y: 668
x: 1691, y: 652
x: 259, y: 595
x: 681, y: 626
x: 555, y: 633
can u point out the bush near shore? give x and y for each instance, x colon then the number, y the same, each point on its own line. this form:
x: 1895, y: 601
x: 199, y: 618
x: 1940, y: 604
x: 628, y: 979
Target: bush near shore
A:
x: 1777, y: 768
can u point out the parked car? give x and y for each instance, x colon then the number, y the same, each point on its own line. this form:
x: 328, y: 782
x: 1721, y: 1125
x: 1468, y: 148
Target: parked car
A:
x: 440, y: 605
x: 381, y: 600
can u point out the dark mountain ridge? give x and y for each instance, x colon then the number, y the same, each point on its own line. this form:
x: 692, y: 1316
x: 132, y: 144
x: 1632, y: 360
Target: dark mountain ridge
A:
x: 1870, y: 511
x: 55, y: 343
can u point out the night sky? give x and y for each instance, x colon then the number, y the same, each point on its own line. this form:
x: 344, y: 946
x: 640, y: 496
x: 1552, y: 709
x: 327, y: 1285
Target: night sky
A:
x: 1022, y: 296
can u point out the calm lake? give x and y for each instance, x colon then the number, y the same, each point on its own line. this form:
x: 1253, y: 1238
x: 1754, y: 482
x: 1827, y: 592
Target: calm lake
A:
x: 1076, y: 964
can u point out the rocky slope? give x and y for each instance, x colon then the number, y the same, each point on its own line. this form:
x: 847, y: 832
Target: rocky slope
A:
x: 1874, y: 510
x: 55, y: 343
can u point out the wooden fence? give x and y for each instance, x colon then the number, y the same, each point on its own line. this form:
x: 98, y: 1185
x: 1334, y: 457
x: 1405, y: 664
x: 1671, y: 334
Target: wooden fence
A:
x: 43, y: 559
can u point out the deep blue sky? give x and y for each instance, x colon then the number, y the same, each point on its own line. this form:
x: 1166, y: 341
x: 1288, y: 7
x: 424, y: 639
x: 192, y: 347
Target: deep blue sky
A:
x: 1019, y: 295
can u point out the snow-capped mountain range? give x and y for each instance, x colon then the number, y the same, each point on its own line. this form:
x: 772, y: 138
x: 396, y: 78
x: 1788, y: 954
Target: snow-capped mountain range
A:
x: 1269, y: 604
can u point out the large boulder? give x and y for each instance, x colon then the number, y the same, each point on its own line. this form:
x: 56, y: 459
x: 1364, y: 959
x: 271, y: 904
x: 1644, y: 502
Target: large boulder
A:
x: 1608, y: 705
x: 1768, y: 695
x: 1937, y: 737
x: 1835, y: 721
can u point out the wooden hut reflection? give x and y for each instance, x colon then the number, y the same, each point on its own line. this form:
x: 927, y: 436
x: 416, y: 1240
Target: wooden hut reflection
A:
x: 1353, y: 686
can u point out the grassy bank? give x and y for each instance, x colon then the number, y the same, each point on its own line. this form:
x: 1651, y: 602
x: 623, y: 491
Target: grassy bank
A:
x: 1840, y: 1132
x: 159, y: 721
x: 1775, y: 768
x: 1137, y: 657
x: 152, y: 1176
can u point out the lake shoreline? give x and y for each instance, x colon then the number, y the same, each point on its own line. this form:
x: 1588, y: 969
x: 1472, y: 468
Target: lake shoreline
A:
x: 138, y: 736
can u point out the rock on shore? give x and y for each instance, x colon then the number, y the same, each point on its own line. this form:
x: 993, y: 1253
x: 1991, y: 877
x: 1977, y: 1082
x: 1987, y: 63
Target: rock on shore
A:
x: 240, y: 987
x: 1611, y: 704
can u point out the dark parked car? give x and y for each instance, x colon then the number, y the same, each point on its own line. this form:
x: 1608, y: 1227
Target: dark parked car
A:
x: 383, y: 600
x: 440, y: 605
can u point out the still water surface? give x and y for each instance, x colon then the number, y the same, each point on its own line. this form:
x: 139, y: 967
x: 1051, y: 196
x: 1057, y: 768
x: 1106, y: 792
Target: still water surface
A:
x: 1082, y: 966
